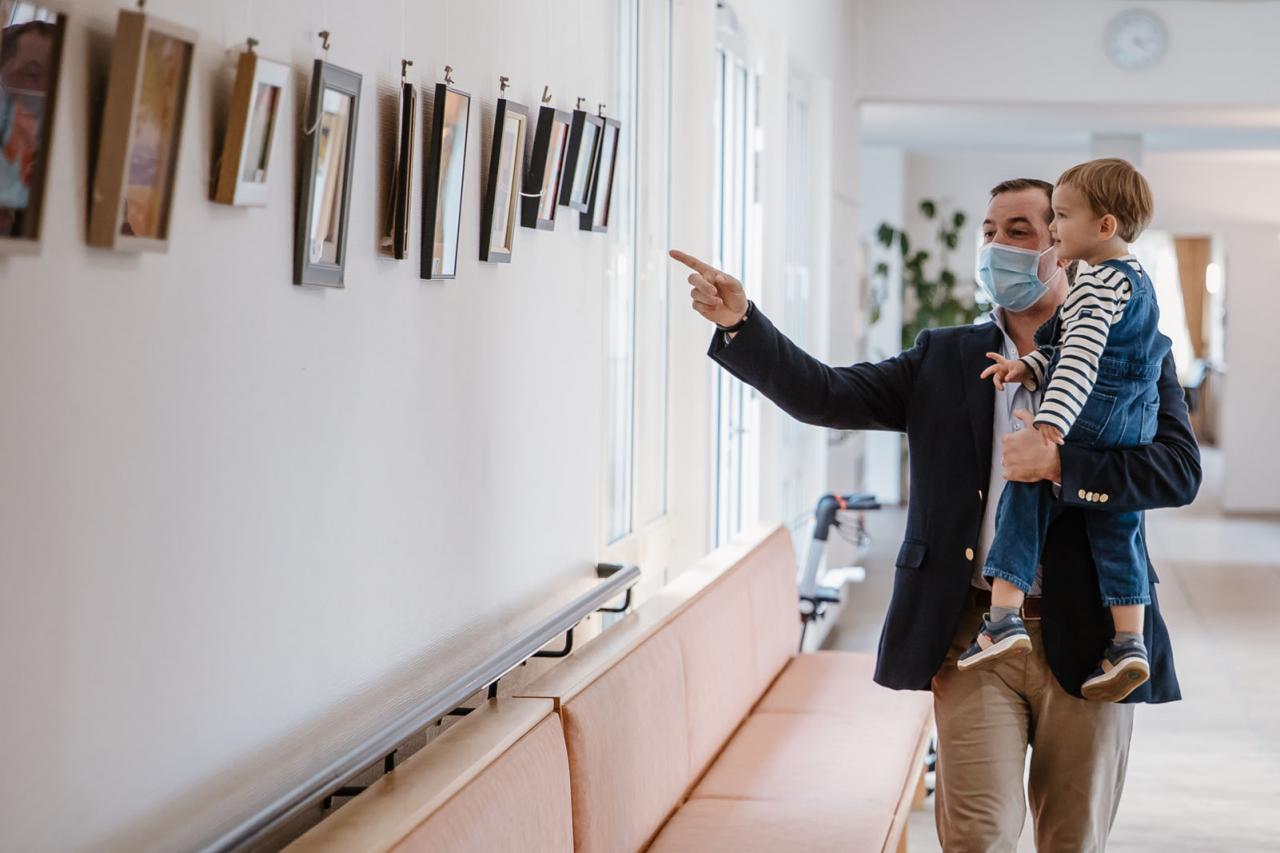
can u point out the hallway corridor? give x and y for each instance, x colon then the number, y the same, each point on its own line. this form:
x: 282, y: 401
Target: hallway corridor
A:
x: 1199, y: 779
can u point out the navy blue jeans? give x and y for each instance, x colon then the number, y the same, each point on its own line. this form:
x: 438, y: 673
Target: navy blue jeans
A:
x: 1120, y: 412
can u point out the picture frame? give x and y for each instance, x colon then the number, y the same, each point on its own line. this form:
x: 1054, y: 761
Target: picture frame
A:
x: 31, y: 41
x: 133, y: 182
x: 443, y: 180
x: 328, y: 142
x: 252, y: 120
x: 579, y: 163
x: 501, y: 208
x: 398, y: 203
x: 603, y: 175
x: 546, y: 169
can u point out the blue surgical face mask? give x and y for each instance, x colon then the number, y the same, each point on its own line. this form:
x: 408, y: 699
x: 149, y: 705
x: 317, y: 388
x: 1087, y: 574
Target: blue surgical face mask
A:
x: 1010, y: 277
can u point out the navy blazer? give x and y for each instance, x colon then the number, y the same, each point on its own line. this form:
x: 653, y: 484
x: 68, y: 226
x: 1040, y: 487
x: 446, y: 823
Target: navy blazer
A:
x: 932, y: 393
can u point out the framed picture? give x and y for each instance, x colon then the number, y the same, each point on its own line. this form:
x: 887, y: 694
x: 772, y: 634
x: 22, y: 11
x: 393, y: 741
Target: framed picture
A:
x: 141, y: 134
x: 324, y: 195
x: 31, y: 36
x: 546, y: 167
x: 251, y: 129
x: 596, y: 216
x: 502, y: 193
x: 443, y: 181
x: 398, y: 207
x: 580, y: 159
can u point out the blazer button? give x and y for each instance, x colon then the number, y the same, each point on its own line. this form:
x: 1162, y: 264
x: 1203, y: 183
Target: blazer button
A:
x: 968, y: 554
x: 1083, y: 494
x: 979, y: 494
x: 1104, y: 498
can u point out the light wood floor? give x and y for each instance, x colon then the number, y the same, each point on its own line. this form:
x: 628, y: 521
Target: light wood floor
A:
x: 1204, y: 773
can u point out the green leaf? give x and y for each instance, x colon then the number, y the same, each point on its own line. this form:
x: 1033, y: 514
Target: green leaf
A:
x: 882, y: 269
x: 959, y: 219
x: 885, y: 234
x: 928, y: 208
x: 904, y: 243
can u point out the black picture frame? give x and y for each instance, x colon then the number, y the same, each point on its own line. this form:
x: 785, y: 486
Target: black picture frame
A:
x: 398, y: 204
x: 603, y: 177
x: 20, y: 226
x: 501, y: 207
x: 550, y: 150
x: 579, y: 162
x: 442, y: 209
x: 325, y: 124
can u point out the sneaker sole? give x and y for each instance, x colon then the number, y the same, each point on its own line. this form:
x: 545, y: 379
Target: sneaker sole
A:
x: 1009, y: 647
x: 1117, y: 684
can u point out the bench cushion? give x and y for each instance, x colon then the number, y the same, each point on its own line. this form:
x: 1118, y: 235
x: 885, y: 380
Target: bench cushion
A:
x: 742, y: 826
x: 628, y: 743
x: 820, y: 759
x: 840, y: 683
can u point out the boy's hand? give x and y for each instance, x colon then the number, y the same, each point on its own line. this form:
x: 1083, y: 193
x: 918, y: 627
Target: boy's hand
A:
x: 1005, y: 370
x: 1050, y: 434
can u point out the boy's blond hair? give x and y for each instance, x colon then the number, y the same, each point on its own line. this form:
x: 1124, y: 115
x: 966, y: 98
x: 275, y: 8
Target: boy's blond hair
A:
x: 1113, y: 186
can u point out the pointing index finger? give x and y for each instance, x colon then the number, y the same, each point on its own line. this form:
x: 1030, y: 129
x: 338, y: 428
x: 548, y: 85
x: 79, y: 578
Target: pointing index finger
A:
x: 691, y: 262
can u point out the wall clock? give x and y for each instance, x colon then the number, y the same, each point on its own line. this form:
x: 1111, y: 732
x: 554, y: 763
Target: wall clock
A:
x: 1136, y: 40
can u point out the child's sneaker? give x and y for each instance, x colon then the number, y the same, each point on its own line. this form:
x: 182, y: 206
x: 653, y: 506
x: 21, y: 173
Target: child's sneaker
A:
x: 1123, y: 669
x: 1007, y: 638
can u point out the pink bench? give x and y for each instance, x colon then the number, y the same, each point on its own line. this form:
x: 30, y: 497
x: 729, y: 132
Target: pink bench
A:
x: 690, y: 725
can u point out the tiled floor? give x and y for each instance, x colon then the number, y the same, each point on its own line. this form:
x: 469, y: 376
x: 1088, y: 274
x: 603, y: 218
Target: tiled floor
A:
x: 1204, y: 773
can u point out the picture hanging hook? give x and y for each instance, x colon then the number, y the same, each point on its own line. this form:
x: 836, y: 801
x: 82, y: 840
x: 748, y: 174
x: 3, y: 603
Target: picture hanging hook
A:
x: 324, y: 42
x: 502, y: 85
x: 578, y: 105
x: 601, y: 111
x: 448, y: 75
x: 546, y: 94
x: 142, y: 5
x: 404, y: 63
x: 252, y: 42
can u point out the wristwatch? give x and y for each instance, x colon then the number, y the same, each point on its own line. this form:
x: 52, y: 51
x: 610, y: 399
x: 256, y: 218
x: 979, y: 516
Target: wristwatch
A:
x: 737, y: 327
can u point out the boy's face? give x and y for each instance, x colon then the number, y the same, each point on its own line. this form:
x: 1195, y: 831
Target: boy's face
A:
x: 1075, y: 228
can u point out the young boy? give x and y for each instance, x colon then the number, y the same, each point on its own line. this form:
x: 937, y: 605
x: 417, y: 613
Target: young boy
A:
x: 1098, y: 364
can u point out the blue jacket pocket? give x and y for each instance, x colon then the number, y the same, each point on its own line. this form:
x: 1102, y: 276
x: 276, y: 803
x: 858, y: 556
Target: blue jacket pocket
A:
x: 911, y: 554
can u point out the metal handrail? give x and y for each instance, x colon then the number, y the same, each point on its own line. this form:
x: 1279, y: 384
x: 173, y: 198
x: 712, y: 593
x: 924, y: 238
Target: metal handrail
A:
x: 616, y: 580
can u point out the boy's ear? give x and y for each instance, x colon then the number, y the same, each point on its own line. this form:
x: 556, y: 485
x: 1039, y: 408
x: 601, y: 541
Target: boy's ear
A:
x: 1107, y: 226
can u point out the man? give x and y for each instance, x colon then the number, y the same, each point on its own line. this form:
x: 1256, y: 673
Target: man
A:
x: 965, y: 441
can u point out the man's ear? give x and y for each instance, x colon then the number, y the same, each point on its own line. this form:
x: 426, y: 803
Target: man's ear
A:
x: 1107, y: 226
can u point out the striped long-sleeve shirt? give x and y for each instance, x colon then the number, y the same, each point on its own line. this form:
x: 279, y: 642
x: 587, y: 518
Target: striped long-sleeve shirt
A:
x: 1094, y: 304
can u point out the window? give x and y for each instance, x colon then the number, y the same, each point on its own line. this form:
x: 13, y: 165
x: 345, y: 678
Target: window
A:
x: 637, y: 303
x: 798, y: 464
x: 736, y: 228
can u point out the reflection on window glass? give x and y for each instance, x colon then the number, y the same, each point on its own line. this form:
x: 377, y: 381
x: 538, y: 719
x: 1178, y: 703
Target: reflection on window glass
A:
x: 331, y: 160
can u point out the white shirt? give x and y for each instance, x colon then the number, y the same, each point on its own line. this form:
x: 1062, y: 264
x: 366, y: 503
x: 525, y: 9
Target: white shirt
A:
x: 1013, y: 397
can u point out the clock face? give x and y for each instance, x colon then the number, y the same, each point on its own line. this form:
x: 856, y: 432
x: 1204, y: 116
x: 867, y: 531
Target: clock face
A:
x: 1136, y: 40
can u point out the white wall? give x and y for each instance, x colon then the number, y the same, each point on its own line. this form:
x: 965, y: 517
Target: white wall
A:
x: 1011, y: 50
x: 244, y: 523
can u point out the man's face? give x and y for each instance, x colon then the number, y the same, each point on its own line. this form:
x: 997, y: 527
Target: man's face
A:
x: 1019, y: 218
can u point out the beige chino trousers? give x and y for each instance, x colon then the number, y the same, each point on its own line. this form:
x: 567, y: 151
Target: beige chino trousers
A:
x: 987, y: 718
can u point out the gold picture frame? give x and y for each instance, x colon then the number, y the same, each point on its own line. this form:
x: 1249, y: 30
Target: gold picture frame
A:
x: 132, y: 199
x: 256, y: 105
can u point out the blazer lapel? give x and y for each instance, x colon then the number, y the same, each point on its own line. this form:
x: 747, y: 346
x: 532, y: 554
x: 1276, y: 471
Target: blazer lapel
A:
x: 979, y: 393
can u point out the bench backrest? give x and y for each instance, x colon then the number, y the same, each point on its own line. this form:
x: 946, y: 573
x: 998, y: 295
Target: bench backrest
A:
x: 647, y: 706
x: 495, y: 780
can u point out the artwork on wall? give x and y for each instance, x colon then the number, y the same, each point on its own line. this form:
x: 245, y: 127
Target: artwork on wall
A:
x: 502, y: 192
x: 328, y: 146
x: 546, y: 167
x: 141, y: 134
x: 584, y: 138
x: 31, y: 37
x: 596, y: 216
x: 251, y: 128
x: 398, y: 206
x: 443, y: 179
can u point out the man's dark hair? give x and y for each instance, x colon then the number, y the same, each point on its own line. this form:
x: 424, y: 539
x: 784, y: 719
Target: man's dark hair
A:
x: 1012, y: 186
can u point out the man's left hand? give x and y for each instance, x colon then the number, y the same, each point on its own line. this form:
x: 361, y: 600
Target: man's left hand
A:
x: 1027, y: 457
